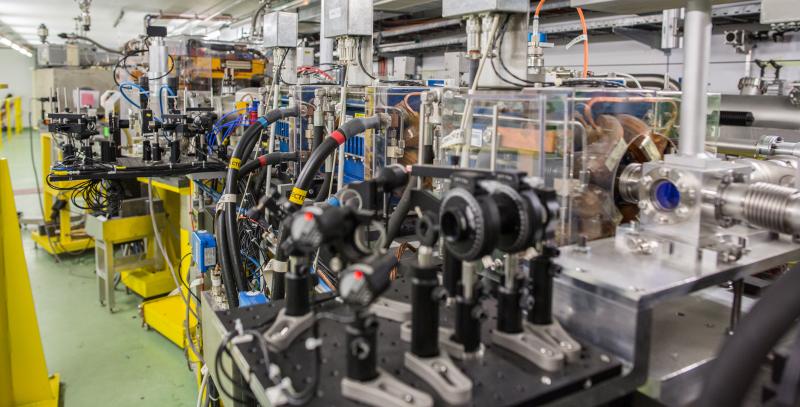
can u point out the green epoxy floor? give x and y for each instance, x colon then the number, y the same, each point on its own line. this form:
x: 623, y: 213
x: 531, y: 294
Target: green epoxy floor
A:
x: 104, y: 359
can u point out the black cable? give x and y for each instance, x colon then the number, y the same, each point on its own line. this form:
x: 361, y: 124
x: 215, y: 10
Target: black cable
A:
x: 311, y: 389
x: 218, y: 362
x: 400, y: 213
x: 318, y: 133
x: 266, y: 160
x: 361, y: 63
x: 186, y: 283
x: 733, y: 370
x: 403, y: 82
x: 501, y: 36
x: 171, y: 68
x: 254, y: 21
x: 593, y: 83
x: 124, y: 59
x: 323, y: 193
x: 231, y: 292
x: 279, y: 72
x: 229, y: 229
x: 97, y: 44
x: 339, y: 136
x: 223, y: 347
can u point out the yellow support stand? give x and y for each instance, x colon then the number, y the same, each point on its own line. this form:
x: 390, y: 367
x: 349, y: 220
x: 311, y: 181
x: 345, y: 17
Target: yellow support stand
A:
x: 167, y: 315
x: 67, y: 240
x: 23, y: 372
x: 18, y: 115
x: 8, y: 118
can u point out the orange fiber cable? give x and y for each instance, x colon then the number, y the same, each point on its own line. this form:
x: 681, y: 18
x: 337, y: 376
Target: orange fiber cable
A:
x: 585, y: 42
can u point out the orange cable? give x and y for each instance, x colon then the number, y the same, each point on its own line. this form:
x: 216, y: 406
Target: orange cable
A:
x: 585, y: 42
x: 538, y: 8
x: 585, y: 35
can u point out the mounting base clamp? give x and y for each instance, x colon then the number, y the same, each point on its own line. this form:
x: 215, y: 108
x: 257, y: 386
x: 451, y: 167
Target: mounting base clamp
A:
x: 443, y: 375
x: 286, y: 329
x: 385, y: 391
x: 558, y: 337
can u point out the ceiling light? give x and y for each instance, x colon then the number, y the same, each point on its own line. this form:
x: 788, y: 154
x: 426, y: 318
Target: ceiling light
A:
x: 16, y: 47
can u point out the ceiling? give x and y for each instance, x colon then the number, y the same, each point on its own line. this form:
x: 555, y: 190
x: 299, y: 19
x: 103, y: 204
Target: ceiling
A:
x: 19, y: 19
x: 116, y: 21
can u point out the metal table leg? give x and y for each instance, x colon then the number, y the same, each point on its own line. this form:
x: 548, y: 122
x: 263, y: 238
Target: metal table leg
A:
x: 104, y: 258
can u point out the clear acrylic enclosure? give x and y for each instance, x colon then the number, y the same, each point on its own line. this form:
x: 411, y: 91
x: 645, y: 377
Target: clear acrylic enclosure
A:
x: 577, y: 140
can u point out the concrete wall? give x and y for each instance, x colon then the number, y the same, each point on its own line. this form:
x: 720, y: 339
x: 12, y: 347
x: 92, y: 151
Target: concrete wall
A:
x: 16, y: 71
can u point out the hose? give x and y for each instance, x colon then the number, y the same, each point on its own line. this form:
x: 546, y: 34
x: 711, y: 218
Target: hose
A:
x: 254, y: 21
x: 737, y: 364
x: 229, y: 231
x: 319, y: 133
x: 325, y: 149
x: 266, y: 160
x: 399, y: 214
x: 225, y: 261
x: 97, y: 44
x: 322, y: 195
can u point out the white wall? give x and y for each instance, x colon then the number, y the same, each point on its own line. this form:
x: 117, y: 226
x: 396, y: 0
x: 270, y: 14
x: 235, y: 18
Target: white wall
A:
x: 16, y: 71
x: 632, y: 57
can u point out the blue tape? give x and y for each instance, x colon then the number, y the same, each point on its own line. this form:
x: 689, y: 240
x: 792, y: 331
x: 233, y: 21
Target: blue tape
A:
x: 263, y: 122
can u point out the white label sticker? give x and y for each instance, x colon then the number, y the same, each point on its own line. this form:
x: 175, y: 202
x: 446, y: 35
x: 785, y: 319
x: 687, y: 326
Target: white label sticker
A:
x: 616, y: 154
x: 453, y: 139
x: 477, y: 138
x: 210, y: 256
x: 650, y: 149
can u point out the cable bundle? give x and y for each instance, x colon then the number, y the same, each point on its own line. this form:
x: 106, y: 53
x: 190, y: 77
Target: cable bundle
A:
x: 96, y: 196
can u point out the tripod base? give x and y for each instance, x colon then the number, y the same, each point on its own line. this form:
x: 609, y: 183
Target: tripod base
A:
x: 385, y: 391
x: 391, y: 309
x: 286, y: 329
x: 532, y: 348
x: 558, y: 338
x: 443, y: 375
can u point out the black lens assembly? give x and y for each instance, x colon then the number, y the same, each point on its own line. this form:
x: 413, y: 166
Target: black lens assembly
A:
x: 507, y: 213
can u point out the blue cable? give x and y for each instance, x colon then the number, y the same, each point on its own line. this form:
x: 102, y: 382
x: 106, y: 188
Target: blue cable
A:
x: 161, y: 100
x: 136, y: 105
x: 226, y: 115
x: 230, y: 129
x: 214, y: 194
x: 130, y: 85
x: 320, y: 282
x: 169, y: 90
x: 324, y: 286
x: 217, y: 126
x: 254, y: 261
